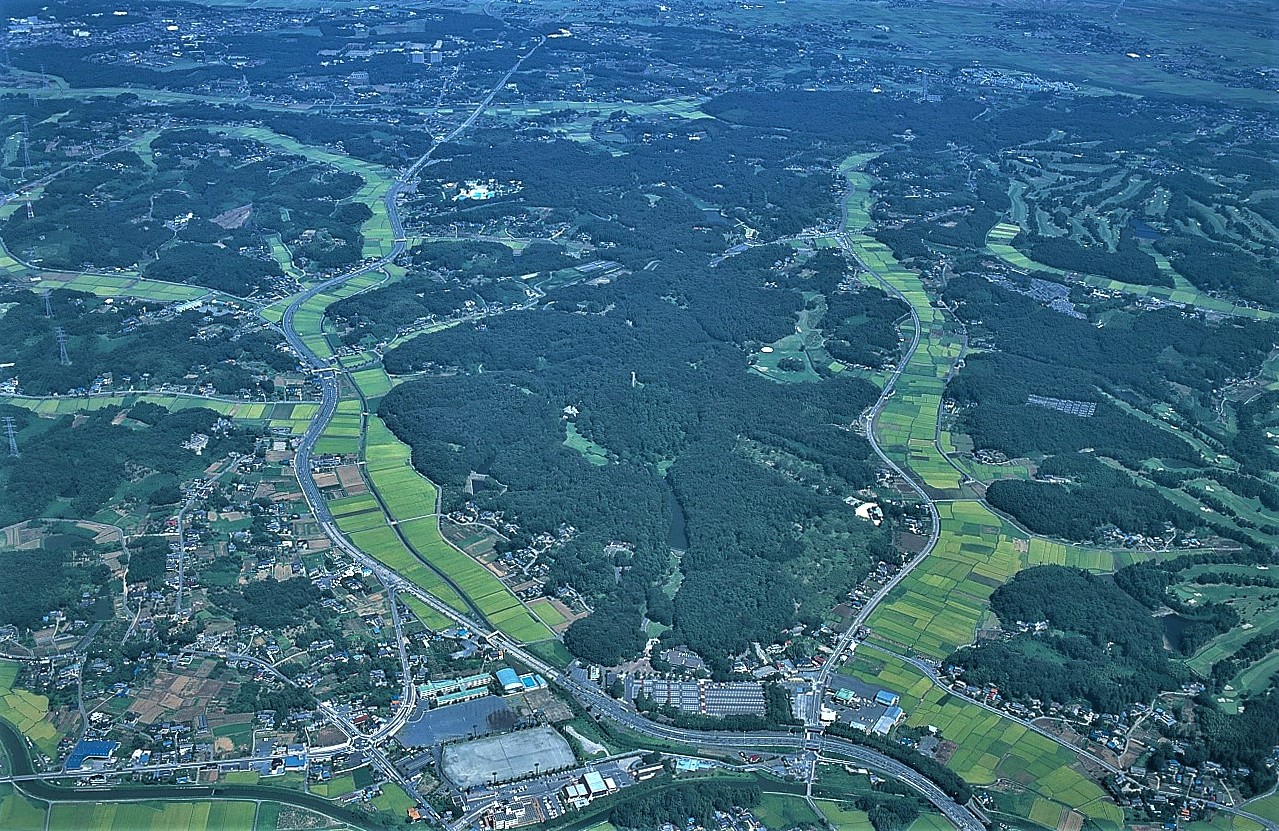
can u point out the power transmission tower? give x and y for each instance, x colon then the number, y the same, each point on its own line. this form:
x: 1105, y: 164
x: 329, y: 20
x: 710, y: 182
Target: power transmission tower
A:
x: 13, y: 437
x: 48, y: 303
x: 62, y: 347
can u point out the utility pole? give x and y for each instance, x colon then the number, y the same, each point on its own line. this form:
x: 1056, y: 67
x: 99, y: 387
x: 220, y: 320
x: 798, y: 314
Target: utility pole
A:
x: 13, y: 437
x: 62, y: 347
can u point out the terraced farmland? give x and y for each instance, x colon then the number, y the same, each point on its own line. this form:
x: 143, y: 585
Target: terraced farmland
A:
x: 992, y: 747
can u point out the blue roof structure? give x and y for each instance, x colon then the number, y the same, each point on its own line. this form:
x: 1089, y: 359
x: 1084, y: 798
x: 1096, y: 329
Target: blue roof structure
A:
x: 509, y: 680
x: 90, y: 749
x: 887, y: 698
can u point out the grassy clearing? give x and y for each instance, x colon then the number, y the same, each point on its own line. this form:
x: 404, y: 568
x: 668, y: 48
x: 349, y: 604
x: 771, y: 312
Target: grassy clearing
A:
x: 778, y: 810
x: 18, y: 812
x: 594, y: 453
x: 546, y: 610
x: 393, y: 800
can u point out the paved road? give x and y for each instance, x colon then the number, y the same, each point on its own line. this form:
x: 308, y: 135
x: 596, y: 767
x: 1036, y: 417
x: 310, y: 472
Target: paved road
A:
x: 593, y: 698
x: 232, y: 464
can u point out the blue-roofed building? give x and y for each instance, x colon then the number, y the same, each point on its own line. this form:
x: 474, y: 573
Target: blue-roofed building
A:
x: 509, y: 680
x: 90, y: 750
x: 888, y: 699
x: 888, y: 720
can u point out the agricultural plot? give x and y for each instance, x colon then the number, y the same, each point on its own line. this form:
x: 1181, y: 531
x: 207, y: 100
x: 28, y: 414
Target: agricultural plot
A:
x: 276, y: 414
x: 18, y: 812
x: 373, y: 383
x: 938, y: 606
x: 411, y: 502
x: 991, y: 747
x: 907, y: 425
x: 160, y: 816
x: 381, y: 543
x: 284, y: 257
x: 26, y: 711
x: 547, y: 612
x: 108, y: 285
x: 430, y: 617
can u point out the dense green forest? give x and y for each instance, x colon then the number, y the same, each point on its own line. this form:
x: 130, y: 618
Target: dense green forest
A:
x: 1102, y: 647
x: 675, y: 806
x: 78, y: 464
x: 137, y: 347
x: 1133, y: 362
x: 121, y: 211
x: 446, y: 278
x: 759, y: 469
x: 1105, y: 647
x: 53, y: 579
x: 1096, y: 497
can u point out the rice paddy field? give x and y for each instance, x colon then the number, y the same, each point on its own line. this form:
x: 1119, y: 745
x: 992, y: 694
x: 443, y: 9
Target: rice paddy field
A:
x: 546, y: 611
x: 294, y: 415
x: 373, y: 383
x: 114, y: 285
x: 26, y: 711
x: 309, y: 318
x: 410, y: 503
x: 153, y: 816
x: 907, y: 425
x: 429, y: 617
x: 991, y: 747
x: 18, y: 812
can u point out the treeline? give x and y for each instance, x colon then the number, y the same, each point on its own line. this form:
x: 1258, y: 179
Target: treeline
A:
x: 148, y: 559
x: 85, y: 459
x: 1161, y: 356
x: 192, y: 172
x: 270, y: 603
x: 676, y: 805
x: 255, y: 696
x: 104, y: 337
x: 1100, y: 497
x: 51, y: 580
x: 445, y: 277
x: 692, y: 410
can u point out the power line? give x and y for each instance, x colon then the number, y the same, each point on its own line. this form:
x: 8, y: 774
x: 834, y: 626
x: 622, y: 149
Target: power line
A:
x: 26, y: 145
x: 62, y: 347
x: 13, y: 437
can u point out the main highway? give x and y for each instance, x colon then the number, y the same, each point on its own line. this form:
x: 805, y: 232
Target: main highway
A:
x: 598, y: 702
